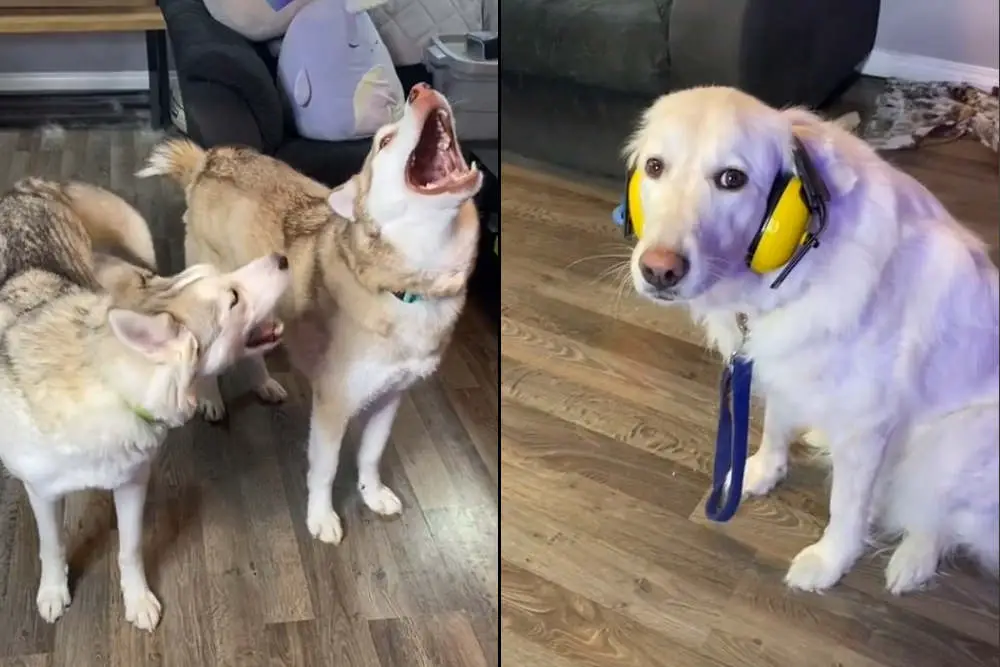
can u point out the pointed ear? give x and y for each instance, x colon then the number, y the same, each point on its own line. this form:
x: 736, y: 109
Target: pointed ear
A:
x: 829, y: 146
x: 147, y: 334
x: 342, y: 199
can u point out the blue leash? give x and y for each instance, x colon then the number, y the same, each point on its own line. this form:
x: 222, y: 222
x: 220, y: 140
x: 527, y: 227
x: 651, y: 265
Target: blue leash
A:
x: 734, y: 428
x: 731, y: 440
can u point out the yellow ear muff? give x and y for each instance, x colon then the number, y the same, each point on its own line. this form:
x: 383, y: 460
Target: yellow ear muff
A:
x: 634, y: 203
x: 783, y: 230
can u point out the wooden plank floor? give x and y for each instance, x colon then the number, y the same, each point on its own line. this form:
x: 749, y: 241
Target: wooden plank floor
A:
x: 608, y: 408
x: 241, y: 581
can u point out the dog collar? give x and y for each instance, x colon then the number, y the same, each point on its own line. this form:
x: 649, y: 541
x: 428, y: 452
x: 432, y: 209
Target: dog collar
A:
x: 407, y: 297
x: 144, y: 414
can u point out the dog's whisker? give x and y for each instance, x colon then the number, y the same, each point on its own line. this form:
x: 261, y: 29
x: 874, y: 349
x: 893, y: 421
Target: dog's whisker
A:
x: 593, y: 257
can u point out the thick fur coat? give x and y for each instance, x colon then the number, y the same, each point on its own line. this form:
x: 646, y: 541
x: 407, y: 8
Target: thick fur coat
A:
x: 379, y: 272
x: 885, y: 339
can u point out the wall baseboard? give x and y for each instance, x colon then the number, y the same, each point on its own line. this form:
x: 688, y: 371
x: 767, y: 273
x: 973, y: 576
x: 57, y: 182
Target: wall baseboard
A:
x: 886, y: 64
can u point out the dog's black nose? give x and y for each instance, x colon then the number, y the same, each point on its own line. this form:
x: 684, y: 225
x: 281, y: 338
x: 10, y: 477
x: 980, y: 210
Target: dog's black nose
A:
x: 282, y: 261
x: 662, y: 268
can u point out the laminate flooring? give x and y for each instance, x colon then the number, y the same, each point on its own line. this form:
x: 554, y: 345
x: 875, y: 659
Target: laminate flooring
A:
x: 241, y: 580
x: 608, y: 409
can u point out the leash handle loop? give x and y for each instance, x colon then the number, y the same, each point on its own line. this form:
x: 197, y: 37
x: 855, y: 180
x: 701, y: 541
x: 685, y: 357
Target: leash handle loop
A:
x: 731, y: 440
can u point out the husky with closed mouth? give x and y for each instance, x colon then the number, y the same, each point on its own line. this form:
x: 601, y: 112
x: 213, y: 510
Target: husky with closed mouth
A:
x: 885, y: 338
x: 90, y: 380
x: 379, y: 273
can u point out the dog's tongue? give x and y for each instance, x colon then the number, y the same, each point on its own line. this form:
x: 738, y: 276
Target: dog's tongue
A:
x: 265, y: 333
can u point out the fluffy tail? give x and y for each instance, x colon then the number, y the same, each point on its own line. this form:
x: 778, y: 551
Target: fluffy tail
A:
x: 113, y: 225
x: 180, y: 159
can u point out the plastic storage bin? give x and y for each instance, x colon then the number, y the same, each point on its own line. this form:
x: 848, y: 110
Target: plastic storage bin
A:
x: 472, y: 86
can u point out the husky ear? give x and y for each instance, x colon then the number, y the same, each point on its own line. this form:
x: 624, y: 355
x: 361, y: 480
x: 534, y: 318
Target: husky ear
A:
x: 147, y: 334
x: 828, y: 145
x: 342, y: 199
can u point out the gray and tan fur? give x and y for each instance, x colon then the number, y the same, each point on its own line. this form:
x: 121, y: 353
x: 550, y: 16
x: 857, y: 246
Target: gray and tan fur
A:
x: 359, y: 345
x: 98, y: 360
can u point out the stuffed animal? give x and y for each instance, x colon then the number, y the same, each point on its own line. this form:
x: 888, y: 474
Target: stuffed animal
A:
x: 336, y: 72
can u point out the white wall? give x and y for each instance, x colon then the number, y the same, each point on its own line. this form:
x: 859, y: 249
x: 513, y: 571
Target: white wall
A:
x: 963, y: 31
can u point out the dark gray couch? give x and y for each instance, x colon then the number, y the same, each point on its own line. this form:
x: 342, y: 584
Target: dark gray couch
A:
x: 576, y: 73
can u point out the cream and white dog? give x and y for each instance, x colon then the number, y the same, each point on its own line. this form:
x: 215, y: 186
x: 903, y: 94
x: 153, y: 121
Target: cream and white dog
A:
x: 380, y: 267
x: 97, y: 363
x: 885, y: 338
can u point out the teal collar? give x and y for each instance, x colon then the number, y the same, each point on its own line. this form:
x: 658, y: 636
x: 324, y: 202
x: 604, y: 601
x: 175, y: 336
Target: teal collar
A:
x: 407, y: 297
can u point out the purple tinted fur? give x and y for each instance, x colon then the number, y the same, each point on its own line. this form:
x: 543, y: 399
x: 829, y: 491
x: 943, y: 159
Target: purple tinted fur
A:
x: 962, y: 350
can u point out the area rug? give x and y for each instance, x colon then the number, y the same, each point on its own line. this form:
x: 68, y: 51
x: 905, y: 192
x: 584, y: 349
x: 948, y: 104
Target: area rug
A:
x: 907, y: 113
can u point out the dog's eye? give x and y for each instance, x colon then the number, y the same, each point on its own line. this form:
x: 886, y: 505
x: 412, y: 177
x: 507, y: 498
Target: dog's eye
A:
x: 384, y: 141
x: 234, y: 298
x: 730, y: 179
x: 654, y: 167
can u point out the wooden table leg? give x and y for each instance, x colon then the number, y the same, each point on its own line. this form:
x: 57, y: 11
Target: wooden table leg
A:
x: 159, y: 78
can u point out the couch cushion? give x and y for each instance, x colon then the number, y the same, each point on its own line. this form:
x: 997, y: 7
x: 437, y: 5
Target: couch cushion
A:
x: 616, y: 44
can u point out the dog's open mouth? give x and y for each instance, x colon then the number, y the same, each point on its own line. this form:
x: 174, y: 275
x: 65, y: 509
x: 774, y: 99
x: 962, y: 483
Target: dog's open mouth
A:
x: 264, y: 335
x: 436, y: 164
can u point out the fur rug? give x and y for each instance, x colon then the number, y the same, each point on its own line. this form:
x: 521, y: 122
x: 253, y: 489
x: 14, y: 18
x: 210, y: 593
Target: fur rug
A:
x: 907, y: 112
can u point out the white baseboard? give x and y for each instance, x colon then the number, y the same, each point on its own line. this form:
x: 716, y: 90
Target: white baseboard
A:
x: 73, y: 82
x: 885, y: 64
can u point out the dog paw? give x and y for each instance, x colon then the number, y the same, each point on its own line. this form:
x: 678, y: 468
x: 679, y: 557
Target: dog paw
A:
x: 912, y: 565
x: 52, y: 601
x: 817, y: 567
x: 211, y: 411
x: 761, y: 475
x: 142, y: 609
x: 380, y: 499
x: 271, y: 391
x: 325, y: 526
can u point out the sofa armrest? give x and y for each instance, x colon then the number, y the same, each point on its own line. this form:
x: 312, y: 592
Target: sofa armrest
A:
x: 782, y: 51
x: 219, y: 67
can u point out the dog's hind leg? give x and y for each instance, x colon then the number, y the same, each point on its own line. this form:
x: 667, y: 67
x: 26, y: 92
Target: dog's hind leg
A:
x: 264, y: 386
x: 330, y: 414
x: 142, y: 609
x: 377, y: 496
x: 53, y: 587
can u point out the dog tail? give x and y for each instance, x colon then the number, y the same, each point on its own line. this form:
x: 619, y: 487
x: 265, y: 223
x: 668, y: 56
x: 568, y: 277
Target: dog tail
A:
x: 180, y: 159
x: 113, y: 225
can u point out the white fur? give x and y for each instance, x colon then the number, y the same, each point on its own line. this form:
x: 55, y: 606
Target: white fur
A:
x: 901, y: 479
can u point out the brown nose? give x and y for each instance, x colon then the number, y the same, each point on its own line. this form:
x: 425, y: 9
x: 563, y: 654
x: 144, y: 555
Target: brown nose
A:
x: 662, y: 268
x: 281, y: 261
x: 417, y: 90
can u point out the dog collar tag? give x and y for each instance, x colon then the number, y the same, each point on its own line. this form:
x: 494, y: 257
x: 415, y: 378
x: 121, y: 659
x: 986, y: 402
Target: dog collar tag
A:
x: 731, y: 440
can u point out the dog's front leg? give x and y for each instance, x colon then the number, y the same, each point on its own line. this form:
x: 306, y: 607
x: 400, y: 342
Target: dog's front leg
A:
x: 330, y: 414
x: 856, y: 462
x: 377, y: 496
x: 210, y: 403
x: 142, y: 609
x: 264, y: 386
x: 53, y: 587
x: 769, y: 464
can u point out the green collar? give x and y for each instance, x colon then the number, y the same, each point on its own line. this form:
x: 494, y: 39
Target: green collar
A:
x: 144, y: 414
x: 407, y: 297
